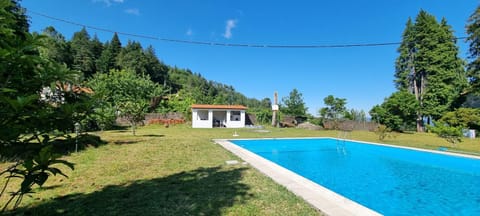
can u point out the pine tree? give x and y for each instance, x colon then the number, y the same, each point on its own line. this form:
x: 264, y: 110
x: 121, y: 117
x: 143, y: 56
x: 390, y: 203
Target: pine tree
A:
x: 429, y: 67
x: 403, y: 64
x: 82, y: 50
x: 108, y: 58
x: 132, y: 58
x: 473, y: 68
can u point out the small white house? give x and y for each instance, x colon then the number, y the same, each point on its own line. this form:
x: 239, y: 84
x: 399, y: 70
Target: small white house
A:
x: 210, y: 116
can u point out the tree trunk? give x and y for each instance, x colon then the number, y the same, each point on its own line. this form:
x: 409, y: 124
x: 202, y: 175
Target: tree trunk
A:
x: 419, y: 99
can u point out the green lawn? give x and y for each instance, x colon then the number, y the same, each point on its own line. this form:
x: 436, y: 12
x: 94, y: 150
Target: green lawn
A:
x: 180, y: 171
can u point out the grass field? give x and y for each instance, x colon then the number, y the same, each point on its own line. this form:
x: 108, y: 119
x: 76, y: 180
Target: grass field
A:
x: 180, y: 171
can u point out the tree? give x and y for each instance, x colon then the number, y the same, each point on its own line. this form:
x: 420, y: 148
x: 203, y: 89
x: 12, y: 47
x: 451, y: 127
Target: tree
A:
x: 28, y: 121
x: 293, y: 104
x: 97, y: 47
x: 451, y: 134
x: 56, y: 47
x: 356, y: 115
x: 473, y: 68
x: 124, y: 91
x: 335, y: 108
x: 429, y: 67
x: 83, y: 55
x: 463, y: 117
x: 134, y: 111
x: 397, y: 112
x: 157, y: 71
x: 107, y: 60
x: 132, y: 58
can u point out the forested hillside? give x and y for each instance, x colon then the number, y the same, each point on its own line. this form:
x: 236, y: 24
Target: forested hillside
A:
x: 88, y: 55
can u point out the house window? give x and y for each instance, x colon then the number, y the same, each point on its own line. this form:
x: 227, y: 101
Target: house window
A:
x: 235, y: 116
x: 202, y: 115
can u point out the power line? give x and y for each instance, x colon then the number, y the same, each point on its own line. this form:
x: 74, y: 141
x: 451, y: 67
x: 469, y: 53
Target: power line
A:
x: 172, y: 40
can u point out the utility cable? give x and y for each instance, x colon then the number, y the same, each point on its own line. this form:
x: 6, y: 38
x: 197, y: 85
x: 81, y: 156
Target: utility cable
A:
x: 172, y: 40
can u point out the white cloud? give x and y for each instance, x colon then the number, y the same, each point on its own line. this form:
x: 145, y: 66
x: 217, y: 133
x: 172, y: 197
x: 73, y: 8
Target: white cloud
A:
x: 108, y: 2
x: 230, y: 24
x: 133, y: 11
x: 189, y: 32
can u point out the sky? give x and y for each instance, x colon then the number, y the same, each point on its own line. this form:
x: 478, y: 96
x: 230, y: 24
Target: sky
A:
x: 361, y: 75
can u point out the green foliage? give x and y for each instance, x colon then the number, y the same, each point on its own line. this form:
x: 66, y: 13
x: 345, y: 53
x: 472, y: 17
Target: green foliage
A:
x: 134, y: 111
x: 108, y: 57
x: 180, y: 103
x: 449, y: 133
x: 294, y: 105
x: 335, y: 108
x: 34, y: 171
x: 56, y: 48
x: 83, y: 54
x: 356, y: 115
x: 473, y: 68
x: 264, y: 116
x: 37, y: 104
x: 429, y: 66
x: 383, y: 132
x: 463, y: 117
x: 114, y: 89
x: 203, y: 91
x: 397, y: 112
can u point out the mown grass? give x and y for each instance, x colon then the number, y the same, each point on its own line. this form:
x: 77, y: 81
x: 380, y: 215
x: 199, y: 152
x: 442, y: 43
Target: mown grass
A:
x: 180, y: 171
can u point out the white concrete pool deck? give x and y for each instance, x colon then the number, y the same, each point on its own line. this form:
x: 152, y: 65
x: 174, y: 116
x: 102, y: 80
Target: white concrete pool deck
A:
x: 327, y: 201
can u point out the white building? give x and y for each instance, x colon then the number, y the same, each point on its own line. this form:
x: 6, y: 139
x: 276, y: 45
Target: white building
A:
x: 209, y: 116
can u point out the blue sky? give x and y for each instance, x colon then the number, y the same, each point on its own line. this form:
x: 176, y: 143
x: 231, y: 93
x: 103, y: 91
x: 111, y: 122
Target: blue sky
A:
x: 362, y: 75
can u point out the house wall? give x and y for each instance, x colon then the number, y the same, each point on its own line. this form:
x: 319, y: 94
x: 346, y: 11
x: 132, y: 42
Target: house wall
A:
x: 232, y: 119
x: 228, y: 118
x: 200, y: 119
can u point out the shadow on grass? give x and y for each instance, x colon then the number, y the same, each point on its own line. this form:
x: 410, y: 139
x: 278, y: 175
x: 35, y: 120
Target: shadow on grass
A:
x: 153, y: 135
x: 124, y: 142
x: 204, y: 191
x: 63, y: 146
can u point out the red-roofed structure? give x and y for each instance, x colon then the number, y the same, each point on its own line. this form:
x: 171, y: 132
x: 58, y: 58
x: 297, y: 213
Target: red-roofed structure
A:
x: 209, y: 116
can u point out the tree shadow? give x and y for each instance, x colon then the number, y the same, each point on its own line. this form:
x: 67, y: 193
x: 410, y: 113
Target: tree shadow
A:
x: 204, y: 191
x: 63, y: 146
x: 124, y: 142
x: 153, y: 135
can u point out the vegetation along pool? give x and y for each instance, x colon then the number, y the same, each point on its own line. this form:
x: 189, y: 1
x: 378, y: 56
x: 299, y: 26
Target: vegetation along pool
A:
x: 389, y: 180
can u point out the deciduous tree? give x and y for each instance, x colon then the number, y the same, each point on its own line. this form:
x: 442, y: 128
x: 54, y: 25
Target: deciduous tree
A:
x: 294, y: 105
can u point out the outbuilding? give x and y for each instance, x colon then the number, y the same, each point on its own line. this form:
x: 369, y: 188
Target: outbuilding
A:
x: 210, y: 116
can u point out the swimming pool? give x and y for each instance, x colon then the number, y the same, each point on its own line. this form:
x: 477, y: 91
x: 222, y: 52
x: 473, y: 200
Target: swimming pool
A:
x: 391, y: 181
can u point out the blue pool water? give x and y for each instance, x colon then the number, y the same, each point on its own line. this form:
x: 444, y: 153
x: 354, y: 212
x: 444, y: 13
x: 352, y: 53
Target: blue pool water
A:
x: 391, y: 181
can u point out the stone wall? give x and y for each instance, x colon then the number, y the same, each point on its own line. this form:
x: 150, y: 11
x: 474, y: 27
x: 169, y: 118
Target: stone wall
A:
x: 156, y: 118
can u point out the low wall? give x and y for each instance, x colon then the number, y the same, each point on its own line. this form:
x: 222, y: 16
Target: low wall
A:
x: 156, y: 118
x: 350, y: 125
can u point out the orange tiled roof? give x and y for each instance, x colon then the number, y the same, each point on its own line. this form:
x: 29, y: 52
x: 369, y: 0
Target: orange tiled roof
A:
x: 210, y: 106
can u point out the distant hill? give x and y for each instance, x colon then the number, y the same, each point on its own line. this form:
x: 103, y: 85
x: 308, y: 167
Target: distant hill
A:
x: 89, y: 55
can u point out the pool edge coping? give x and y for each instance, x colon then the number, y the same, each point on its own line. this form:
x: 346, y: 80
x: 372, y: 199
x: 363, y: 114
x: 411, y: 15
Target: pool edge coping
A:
x: 321, y: 198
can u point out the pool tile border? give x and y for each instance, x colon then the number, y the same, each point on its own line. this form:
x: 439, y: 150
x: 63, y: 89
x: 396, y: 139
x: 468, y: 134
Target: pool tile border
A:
x: 327, y: 201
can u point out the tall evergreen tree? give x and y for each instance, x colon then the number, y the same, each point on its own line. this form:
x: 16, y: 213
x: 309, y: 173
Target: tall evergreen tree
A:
x: 115, y: 45
x: 429, y: 66
x: 473, y: 68
x: 403, y: 64
x: 83, y: 55
x: 97, y: 47
x: 108, y: 58
x: 155, y: 68
x: 132, y: 58
x: 19, y: 23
